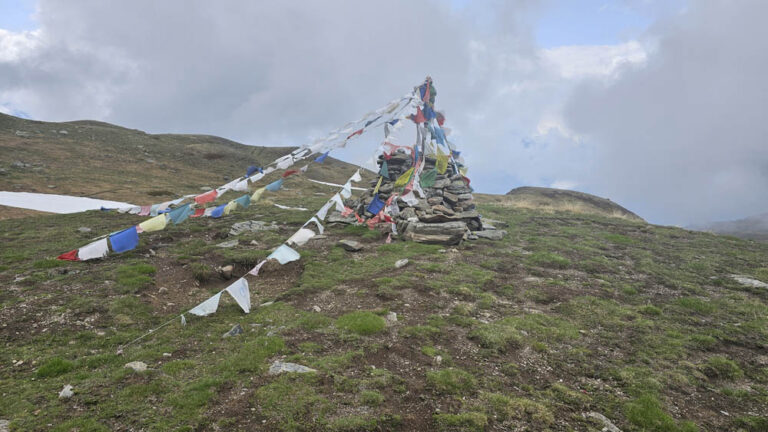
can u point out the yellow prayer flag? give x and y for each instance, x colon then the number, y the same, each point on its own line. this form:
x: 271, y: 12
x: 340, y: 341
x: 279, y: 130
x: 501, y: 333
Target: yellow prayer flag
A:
x: 155, y: 224
x: 256, y: 195
x: 403, y: 179
x: 463, y: 170
x: 230, y: 206
x: 376, y: 189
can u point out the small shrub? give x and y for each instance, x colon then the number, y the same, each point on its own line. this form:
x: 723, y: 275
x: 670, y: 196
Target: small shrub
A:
x: 314, y: 321
x: 54, y: 367
x: 647, y: 414
x: 362, y: 323
x: 371, y: 398
x: 202, y: 272
x: 451, y: 381
x: 650, y: 310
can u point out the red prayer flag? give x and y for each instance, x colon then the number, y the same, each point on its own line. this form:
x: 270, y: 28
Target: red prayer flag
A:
x: 440, y: 118
x: 206, y: 197
x: 419, y: 117
x: 347, y: 211
x: 291, y: 172
x: 69, y: 256
x: 357, y: 132
x: 198, y: 212
x: 466, y: 179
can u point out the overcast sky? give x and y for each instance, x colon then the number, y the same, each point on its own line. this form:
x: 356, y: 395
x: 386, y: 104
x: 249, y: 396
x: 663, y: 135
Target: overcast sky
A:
x: 660, y: 106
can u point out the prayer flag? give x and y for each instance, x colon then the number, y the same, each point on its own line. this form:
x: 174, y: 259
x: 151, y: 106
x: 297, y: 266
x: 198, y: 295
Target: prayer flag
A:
x: 252, y: 169
x: 218, y: 212
x: 384, y: 171
x: 180, y: 214
x: 229, y: 207
x: 275, y: 186
x: 324, y: 210
x: 356, y: 176
x: 239, y: 291
x: 346, y: 190
x: 155, y: 224
x: 357, y: 132
x: 198, y: 212
x: 97, y: 249
x: 404, y: 178
x: 206, y: 197
x: 243, y: 201
x: 145, y: 210
x: 376, y: 205
x: 339, y: 203
x: 378, y: 185
x: 124, y: 240
x: 316, y: 222
x: 207, y: 307
x: 290, y: 172
x: 284, y: 254
x: 428, y: 178
x: 322, y: 157
x: 69, y: 256
x: 301, y: 237
x: 257, y: 194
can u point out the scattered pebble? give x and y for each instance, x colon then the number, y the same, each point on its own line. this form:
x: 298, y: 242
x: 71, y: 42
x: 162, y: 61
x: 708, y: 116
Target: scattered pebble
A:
x: 401, y: 263
x: 66, y: 392
x: 316, y: 308
x: 278, y: 367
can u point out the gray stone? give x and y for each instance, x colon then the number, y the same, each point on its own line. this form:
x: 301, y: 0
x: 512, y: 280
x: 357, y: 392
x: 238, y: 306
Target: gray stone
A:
x: 66, y: 392
x: 748, y: 281
x: 137, y: 366
x: 3, y: 171
x: 228, y: 244
x: 236, y: 330
x: 447, y: 233
x: 226, y: 271
x: 608, y: 426
x: 401, y: 263
x: 496, y: 223
x: 23, y: 134
x: 407, y: 213
x: 391, y: 318
x: 443, y: 210
x: 434, y: 201
x: 251, y: 226
x: 350, y: 245
x: 63, y: 132
x: 279, y: 367
x: 441, y: 184
x: 465, y: 197
x: 491, y: 234
x: 5, y: 425
x: 84, y: 229
x: 450, y: 198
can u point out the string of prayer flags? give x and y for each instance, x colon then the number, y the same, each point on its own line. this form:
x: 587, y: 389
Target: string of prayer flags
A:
x: 239, y: 291
x: 205, y: 197
x: 157, y: 223
x: 97, y: 249
x: 275, y: 186
x: 284, y: 254
x: 125, y: 240
x: 207, y: 307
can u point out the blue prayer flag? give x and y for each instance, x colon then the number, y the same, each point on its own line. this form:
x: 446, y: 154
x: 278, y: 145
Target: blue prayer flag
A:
x: 322, y: 157
x: 394, y: 122
x: 244, y: 200
x: 376, y: 205
x: 368, y: 123
x: 274, y: 186
x: 252, y: 169
x: 455, y: 153
x: 180, y: 214
x: 124, y: 240
x: 218, y: 211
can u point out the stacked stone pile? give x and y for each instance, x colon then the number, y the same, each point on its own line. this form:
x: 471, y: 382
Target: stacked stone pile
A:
x: 446, y: 216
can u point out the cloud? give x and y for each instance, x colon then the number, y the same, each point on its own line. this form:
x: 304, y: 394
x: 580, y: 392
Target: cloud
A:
x: 682, y: 139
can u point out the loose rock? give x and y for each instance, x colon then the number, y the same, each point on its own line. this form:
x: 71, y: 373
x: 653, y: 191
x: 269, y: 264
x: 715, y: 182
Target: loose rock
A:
x: 236, y: 330
x: 251, y: 226
x: 137, y: 366
x: 350, y: 245
x: 748, y: 281
x: 66, y: 392
x: 226, y: 271
x: 609, y: 426
x: 228, y: 244
x: 401, y: 263
x: 490, y: 235
x: 279, y: 367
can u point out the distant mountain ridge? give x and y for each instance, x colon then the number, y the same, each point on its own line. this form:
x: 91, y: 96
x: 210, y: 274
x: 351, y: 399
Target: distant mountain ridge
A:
x: 753, y: 227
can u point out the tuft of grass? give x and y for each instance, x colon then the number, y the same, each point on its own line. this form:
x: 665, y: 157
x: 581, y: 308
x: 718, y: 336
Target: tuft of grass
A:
x: 722, y: 367
x: 371, y: 398
x: 202, y: 272
x: 696, y: 304
x: 54, y: 367
x: 133, y: 277
x: 451, y: 381
x: 506, y: 408
x: 292, y: 402
x: 48, y: 263
x: 647, y: 414
x: 467, y: 421
x: 361, y: 322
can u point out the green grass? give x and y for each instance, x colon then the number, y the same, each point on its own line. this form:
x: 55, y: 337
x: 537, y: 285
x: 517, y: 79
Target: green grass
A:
x: 467, y: 421
x: 548, y: 259
x: 362, y: 323
x: 451, y: 381
x: 722, y: 367
x: 54, y: 367
x: 646, y: 414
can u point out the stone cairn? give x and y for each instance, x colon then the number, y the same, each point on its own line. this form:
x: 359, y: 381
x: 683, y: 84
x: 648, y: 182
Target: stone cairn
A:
x: 447, y: 215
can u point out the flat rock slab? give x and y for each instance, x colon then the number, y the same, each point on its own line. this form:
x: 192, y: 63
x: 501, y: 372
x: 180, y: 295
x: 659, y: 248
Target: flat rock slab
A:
x: 337, y: 218
x: 748, y: 281
x: 279, y: 367
x: 446, y: 233
x: 251, y: 226
x: 137, y: 366
x: 236, y: 330
x: 351, y: 245
x: 228, y: 244
x: 491, y: 234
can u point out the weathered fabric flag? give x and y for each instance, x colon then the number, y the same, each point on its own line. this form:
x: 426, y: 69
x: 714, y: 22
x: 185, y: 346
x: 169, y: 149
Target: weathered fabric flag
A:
x: 274, y: 186
x: 125, y: 240
x: 97, y: 249
x: 284, y: 254
x: 206, y: 197
x: 207, y: 307
x: 157, y: 223
x: 239, y: 291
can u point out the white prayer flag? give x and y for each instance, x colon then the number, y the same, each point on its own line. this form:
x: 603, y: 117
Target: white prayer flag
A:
x: 317, y: 222
x: 241, y: 186
x: 356, y: 176
x: 324, y: 210
x: 339, y: 203
x: 207, y: 307
x: 239, y: 291
x: 284, y: 254
x: 301, y: 237
x: 346, y: 191
x: 255, y: 271
x: 97, y: 249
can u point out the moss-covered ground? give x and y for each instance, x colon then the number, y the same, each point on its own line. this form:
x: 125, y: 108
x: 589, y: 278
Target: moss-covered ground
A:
x: 567, y: 315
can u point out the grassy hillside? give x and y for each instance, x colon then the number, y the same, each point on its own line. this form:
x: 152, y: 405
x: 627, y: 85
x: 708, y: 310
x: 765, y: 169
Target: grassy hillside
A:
x: 549, y: 199
x: 100, y: 160
x: 568, y: 315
